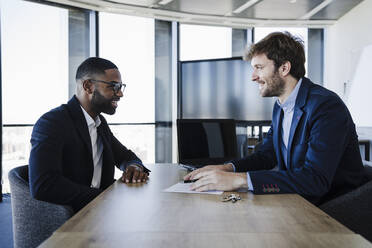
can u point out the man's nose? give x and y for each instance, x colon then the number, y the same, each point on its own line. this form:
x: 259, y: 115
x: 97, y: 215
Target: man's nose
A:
x: 119, y: 93
x: 254, y: 76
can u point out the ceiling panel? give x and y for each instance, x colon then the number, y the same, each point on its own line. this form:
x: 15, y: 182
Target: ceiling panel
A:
x: 336, y: 9
x: 280, y: 9
x: 263, y: 9
x: 143, y: 3
x: 220, y: 12
x: 208, y: 7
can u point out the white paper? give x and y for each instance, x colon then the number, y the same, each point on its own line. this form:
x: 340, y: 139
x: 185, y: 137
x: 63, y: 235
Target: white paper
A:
x: 185, y: 188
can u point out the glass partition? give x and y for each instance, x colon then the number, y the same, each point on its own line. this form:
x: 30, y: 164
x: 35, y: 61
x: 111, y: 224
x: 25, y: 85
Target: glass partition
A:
x: 34, y: 56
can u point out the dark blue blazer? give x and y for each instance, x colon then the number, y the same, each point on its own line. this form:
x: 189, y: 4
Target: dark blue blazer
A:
x: 323, y: 152
x: 61, y: 163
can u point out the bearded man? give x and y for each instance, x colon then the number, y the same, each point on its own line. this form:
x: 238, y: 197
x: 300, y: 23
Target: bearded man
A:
x: 311, y: 148
x: 73, y: 151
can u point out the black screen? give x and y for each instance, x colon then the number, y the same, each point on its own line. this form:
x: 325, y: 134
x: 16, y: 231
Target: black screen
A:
x: 206, y: 141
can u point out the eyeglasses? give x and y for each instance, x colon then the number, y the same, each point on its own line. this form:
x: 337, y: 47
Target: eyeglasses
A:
x: 116, y: 86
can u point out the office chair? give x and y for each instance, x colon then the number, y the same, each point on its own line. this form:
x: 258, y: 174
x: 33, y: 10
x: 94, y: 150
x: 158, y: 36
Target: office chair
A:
x: 33, y: 220
x: 354, y: 209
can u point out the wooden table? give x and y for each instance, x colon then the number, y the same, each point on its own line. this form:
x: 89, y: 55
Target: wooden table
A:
x: 141, y: 215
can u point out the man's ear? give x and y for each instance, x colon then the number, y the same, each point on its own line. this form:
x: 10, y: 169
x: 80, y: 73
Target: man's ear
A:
x: 87, y: 86
x: 285, y: 68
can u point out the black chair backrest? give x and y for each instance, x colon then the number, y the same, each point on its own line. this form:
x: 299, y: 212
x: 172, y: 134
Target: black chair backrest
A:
x: 354, y: 209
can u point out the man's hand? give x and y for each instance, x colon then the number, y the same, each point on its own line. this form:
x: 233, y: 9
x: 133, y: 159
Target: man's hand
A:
x: 134, y: 174
x: 221, y: 167
x: 219, y: 180
x: 217, y: 177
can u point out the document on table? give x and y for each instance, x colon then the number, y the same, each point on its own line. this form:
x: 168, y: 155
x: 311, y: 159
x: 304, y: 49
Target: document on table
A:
x: 185, y: 188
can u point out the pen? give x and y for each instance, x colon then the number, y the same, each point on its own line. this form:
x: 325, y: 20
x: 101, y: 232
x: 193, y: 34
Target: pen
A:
x: 190, y: 181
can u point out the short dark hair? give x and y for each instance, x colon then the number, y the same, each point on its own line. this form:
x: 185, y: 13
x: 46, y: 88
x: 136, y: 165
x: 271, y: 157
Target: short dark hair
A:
x: 281, y: 47
x: 93, y: 66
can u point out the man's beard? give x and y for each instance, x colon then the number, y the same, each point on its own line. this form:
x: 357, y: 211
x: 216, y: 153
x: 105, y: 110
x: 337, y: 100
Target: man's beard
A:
x: 101, y: 104
x: 275, y: 86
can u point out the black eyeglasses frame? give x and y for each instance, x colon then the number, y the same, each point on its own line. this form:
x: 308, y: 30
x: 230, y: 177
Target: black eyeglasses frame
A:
x: 116, y: 86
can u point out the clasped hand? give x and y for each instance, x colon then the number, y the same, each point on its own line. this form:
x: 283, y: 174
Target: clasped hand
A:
x: 134, y: 174
x: 217, y: 177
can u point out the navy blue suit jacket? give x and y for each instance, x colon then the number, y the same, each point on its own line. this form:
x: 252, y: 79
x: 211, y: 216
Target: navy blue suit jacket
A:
x: 61, y: 163
x: 323, y: 152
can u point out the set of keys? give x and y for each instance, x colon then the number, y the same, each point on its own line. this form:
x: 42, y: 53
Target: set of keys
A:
x: 232, y: 197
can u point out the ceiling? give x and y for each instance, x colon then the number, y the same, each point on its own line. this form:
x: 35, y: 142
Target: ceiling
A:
x: 233, y: 13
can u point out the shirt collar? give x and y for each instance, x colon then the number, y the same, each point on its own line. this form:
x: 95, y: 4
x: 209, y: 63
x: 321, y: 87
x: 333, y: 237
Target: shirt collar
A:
x: 90, y: 120
x: 289, y: 104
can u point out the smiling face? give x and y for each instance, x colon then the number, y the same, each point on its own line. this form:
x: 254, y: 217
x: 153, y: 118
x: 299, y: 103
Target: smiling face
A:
x: 104, y: 99
x: 267, y: 76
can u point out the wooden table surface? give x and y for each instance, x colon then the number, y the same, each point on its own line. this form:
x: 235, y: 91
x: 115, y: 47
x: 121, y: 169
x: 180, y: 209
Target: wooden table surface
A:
x: 141, y: 215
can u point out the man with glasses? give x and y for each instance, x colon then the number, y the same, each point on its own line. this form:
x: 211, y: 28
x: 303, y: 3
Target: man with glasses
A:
x: 73, y: 150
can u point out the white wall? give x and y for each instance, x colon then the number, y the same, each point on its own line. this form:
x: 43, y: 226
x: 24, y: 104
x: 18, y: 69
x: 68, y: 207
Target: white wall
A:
x: 345, y: 42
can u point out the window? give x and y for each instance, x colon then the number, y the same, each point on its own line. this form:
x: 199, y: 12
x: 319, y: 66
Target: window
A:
x: 138, y: 138
x: 34, y: 69
x: 34, y: 52
x: 129, y: 42
x: 204, y: 42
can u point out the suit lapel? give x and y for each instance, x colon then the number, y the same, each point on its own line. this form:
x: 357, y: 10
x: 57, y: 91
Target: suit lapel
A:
x: 103, y: 135
x: 80, y: 122
x: 108, y: 157
x: 103, y: 132
x: 297, y: 115
x: 84, y: 133
x: 276, y: 133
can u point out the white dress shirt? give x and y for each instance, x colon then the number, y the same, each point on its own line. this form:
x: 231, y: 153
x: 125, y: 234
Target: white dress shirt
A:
x: 97, y: 148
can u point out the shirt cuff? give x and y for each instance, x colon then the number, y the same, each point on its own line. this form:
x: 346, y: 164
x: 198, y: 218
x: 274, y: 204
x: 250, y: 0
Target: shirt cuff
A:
x: 137, y: 163
x: 232, y: 165
x: 249, y: 182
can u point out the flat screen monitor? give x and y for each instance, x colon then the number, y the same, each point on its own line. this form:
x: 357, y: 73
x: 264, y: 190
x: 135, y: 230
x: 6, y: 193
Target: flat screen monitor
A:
x: 222, y: 88
x: 206, y: 141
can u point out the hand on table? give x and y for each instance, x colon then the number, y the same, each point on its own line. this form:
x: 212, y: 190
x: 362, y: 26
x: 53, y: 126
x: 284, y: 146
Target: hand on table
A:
x: 134, y: 174
x: 221, y: 167
x: 217, y: 177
